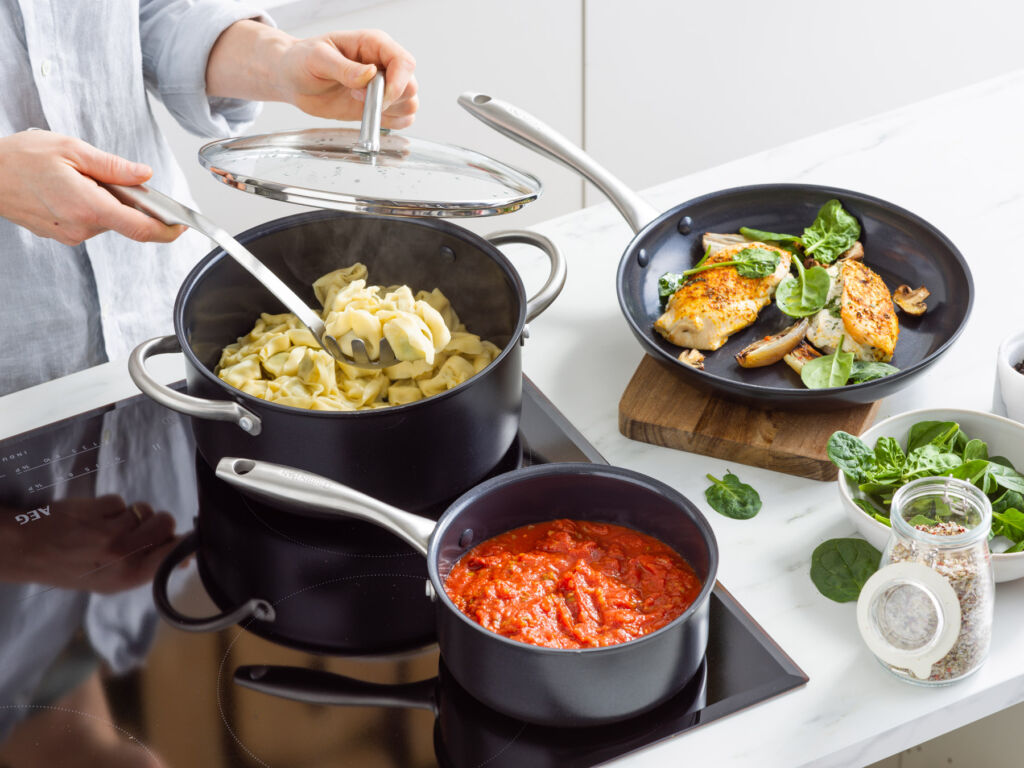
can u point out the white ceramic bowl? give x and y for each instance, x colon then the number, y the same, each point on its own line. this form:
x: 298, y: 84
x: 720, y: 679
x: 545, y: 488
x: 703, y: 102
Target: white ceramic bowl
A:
x: 1009, y: 381
x: 1004, y: 437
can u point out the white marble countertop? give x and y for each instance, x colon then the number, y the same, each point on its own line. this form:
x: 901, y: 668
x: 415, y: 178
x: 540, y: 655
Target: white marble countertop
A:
x: 956, y: 160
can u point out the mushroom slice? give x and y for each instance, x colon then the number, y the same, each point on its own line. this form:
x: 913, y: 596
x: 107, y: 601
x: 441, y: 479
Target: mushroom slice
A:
x: 802, y: 353
x: 771, y: 349
x: 692, y: 358
x: 911, y: 301
x: 855, y: 251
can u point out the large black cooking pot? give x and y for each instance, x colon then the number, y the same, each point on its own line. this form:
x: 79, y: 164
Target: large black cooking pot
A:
x: 551, y: 686
x: 412, y: 455
x: 901, y: 246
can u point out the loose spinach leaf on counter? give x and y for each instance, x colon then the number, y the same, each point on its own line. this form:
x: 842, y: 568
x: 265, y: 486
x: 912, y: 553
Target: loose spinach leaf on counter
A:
x: 840, y: 567
x: 804, y: 294
x: 749, y: 262
x: 828, y: 370
x: 832, y: 232
x: 862, y: 371
x: 732, y: 498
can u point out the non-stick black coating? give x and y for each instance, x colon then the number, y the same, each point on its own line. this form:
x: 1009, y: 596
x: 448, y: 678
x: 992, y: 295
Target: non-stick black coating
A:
x: 898, y: 245
x: 573, y: 687
x: 413, y: 455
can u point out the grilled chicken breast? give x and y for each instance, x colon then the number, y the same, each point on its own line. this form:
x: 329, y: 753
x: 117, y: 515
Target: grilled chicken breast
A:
x: 859, y: 309
x: 716, y: 303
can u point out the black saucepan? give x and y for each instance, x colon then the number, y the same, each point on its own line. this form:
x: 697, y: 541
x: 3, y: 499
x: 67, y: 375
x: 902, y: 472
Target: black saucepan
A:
x: 412, y: 455
x: 902, y: 247
x: 469, y: 734
x: 552, y: 686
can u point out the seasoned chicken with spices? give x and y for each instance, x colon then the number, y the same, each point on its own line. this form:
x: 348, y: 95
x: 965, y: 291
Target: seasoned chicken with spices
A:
x: 715, y: 303
x: 860, y: 311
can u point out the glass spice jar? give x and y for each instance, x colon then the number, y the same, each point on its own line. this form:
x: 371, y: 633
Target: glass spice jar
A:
x: 926, y: 613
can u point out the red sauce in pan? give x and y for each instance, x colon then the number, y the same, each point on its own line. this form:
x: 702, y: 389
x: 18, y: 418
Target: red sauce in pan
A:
x: 572, y: 584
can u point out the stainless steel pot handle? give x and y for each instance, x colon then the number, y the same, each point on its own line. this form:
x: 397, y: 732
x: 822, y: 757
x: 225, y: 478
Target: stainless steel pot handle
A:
x: 556, y: 279
x: 255, y: 608
x: 314, y: 686
x: 296, y: 487
x: 526, y: 129
x: 198, y: 407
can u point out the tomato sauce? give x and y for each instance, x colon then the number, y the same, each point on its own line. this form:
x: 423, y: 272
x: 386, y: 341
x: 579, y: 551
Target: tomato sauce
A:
x: 572, y: 584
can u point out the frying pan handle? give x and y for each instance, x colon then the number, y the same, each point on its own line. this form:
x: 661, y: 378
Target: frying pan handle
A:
x: 255, y: 608
x: 526, y: 129
x: 197, y: 407
x: 314, y: 686
x: 556, y: 279
x: 277, y: 483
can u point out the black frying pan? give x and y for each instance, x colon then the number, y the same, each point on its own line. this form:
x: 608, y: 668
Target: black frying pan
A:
x: 900, y: 246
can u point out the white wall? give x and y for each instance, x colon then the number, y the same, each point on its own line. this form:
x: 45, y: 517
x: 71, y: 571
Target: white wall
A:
x: 653, y: 88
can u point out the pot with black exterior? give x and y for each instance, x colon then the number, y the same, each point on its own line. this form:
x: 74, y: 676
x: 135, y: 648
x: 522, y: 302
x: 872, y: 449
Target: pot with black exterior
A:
x: 469, y: 734
x: 552, y: 686
x: 413, y: 455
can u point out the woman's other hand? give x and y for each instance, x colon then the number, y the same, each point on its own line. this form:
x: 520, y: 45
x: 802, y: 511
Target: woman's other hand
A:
x: 49, y: 187
x: 325, y: 76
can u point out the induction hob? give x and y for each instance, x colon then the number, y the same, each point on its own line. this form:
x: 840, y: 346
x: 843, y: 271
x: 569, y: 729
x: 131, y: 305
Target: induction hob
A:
x: 90, y: 675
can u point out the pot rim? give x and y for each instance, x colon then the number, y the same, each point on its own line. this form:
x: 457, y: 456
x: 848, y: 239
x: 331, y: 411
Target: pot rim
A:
x: 574, y: 468
x: 212, y: 258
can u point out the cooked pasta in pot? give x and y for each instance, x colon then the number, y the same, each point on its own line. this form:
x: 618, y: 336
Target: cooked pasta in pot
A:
x: 279, y: 360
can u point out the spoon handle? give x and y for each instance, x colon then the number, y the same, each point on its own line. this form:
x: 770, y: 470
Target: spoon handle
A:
x: 170, y: 211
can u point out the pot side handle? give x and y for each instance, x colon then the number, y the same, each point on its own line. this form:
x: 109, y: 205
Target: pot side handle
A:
x: 556, y: 278
x: 254, y: 608
x: 524, y: 128
x: 296, y: 487
x: 190, y: 405
x: 314, y: 686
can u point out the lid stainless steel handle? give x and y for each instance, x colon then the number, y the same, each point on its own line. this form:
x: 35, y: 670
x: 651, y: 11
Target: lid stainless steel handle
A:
x: 369, y: 130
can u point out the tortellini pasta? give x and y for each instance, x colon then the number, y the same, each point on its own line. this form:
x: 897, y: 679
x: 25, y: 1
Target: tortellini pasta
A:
x: 279, y: 360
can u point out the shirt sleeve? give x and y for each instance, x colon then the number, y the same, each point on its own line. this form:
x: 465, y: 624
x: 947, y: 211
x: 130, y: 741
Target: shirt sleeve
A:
x: 176, y: 37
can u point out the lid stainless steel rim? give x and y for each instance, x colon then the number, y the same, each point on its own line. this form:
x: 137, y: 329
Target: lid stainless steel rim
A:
x: 909, y: 617
x: 370, y: 170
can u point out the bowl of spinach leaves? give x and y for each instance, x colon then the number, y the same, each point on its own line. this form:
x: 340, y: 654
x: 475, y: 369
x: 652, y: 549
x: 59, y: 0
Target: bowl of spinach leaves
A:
x: 976, y: 446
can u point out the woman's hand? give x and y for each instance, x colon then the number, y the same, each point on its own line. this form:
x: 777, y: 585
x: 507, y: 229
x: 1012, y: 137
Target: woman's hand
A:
x: 48, y: 188
x: 325, y: 76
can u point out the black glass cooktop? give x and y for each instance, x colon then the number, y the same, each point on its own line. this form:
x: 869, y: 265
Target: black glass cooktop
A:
x: 91, y: 676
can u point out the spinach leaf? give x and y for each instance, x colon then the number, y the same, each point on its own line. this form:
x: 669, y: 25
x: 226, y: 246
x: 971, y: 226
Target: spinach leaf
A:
x: 930, y: 460
x: 1018, y: 547
x: 839, y: 567
x: 917, y: 520
x: 668, y: 284
x: 804, y: 294
x: 882, y: 519
x: 889, y: 456
x: 769, y: 237
x: 1002, y: 460
x: 940, y: 433
x: 828, y: 370
x: 975, y: 449
x: 1009, y: 524
x: 732, y: 498
x: 862, y: 371
x: 1008, y: 500
x: 850, y: 454
x: 832, y: 232
x: 972, y: 471
x: 749, y: 262
x: 1006, y: 477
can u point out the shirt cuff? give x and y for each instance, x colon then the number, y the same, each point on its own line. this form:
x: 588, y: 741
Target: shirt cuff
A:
x: 179, y: 67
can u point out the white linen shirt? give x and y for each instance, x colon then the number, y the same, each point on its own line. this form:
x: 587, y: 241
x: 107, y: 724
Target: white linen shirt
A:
x: 86, y: 68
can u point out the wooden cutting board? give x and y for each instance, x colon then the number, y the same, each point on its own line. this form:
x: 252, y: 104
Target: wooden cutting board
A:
x: 659, y: 408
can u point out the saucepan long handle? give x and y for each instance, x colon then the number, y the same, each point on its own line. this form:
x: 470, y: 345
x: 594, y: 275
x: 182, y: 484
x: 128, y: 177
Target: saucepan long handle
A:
x: 526, y: 129
x: 314, y: 686
x: 287, y: 485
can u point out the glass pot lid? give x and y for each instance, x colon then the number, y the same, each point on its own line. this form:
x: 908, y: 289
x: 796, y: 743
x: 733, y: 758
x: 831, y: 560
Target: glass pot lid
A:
x: 370, y: 170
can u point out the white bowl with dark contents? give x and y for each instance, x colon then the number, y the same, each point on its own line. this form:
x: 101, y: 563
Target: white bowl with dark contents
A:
x: 1003, y: 437
x: 1009, y: 398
